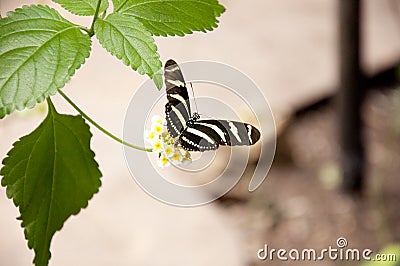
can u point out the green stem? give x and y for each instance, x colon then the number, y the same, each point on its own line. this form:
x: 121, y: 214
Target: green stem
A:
x: 100, y: 127
x: 120, y: 6
x: 96, y: 13
x: 85, y: 29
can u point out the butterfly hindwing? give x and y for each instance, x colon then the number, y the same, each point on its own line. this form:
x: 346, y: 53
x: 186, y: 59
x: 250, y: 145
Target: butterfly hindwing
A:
x: 177, y: 110
x: 192, y: 139
x: 203, y: 135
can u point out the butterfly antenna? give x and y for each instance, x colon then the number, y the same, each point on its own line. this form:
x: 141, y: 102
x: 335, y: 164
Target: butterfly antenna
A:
x: 194, y: 98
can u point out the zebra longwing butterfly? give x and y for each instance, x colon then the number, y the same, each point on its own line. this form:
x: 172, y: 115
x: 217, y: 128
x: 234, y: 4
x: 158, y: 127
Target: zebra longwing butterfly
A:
x: 194, y: 134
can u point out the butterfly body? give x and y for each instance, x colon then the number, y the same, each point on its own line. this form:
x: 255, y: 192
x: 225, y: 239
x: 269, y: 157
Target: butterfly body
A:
x: 193, y: 133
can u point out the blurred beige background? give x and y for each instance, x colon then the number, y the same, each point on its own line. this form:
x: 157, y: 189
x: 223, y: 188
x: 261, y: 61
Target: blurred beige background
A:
x: 287, y: 47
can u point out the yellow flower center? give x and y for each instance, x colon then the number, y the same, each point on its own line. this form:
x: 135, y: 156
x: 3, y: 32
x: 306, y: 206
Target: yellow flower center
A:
x: 151, y: 135
x: 176, y: 157
x: 168, y: 150
x: 164, y: 160
x: 157, y: 146
x: 158, y: 129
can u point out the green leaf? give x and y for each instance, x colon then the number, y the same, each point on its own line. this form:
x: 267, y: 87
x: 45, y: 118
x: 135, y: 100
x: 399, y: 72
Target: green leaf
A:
x: 39, y: 52
x: 173, y: 17
x: 127, y: 39
x: 158, y: 79
x: 50, y: 174
x: 83, y: 7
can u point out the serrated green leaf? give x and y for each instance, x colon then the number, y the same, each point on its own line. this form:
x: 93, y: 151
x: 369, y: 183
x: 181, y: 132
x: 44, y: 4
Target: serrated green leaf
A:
x: 127, y: 39
x: 50, y: 174
x: 39, y: 52
x: 173, y: 17
x: 83, y: 7
x: 158, y: 79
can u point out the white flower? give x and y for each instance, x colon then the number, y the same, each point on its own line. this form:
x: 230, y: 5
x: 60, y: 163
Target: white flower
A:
x: 165, y: 145
x: 157, y: 128
x: 150, y: 136
x: 163, y: 161
x: 176, y: 158
x: 186, y: 158
x: 156, y: 119
x: 169, y: 150
x: 186, y: 161
x: 157, y: 146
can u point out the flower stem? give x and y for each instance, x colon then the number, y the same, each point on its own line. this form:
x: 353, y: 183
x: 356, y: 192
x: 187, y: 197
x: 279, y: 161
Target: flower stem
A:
x: 120, y: 6
x: 100, y: 127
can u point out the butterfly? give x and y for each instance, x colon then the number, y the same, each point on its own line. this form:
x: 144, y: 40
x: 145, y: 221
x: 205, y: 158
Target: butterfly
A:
x: 193, y: 133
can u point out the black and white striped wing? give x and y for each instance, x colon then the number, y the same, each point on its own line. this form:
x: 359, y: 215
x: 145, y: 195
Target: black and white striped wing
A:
x: 205, y: 135
x: 177, y: 110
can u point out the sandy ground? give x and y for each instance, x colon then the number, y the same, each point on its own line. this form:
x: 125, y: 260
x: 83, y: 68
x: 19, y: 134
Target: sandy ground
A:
x: 287, y: 47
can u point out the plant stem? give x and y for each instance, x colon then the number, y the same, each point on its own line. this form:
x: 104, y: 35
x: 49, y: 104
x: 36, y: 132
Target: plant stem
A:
x: 120, y: 6
x: 96, y: 13
x: 85, y: 29
x: 100, y: 127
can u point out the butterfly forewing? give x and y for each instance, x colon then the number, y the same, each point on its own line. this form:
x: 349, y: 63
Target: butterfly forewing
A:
x: 177, y: 110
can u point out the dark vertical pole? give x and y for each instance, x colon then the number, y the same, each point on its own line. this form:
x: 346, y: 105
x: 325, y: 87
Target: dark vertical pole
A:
x: 350, y: 97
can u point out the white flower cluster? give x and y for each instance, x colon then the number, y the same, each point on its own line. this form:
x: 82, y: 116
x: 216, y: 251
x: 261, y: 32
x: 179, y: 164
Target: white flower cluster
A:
x: 162, y: 142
